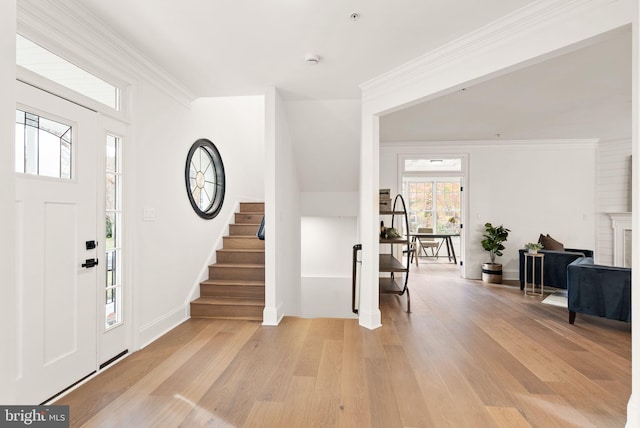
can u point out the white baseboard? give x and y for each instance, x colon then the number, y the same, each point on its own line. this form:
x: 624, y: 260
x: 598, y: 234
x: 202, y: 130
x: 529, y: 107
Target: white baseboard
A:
x: 161, y: 325
x: 272, y: 315
x: 370, y: 320
x: 633, y: 412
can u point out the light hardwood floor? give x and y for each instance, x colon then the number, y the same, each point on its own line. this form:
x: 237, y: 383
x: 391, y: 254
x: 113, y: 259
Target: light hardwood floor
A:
x: 469, y: 355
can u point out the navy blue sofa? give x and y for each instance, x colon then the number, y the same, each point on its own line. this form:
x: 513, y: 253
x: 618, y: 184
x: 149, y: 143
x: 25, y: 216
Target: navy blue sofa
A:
x: 555, y: 266
x: 603, y: 291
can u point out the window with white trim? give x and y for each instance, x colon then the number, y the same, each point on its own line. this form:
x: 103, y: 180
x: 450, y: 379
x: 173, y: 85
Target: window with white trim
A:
x: 39, y: 60
x: 42, y: 146
x: 113, y: 233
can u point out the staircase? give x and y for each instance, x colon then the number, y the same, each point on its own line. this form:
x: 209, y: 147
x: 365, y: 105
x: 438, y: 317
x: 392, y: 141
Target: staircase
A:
x: 235, y: 288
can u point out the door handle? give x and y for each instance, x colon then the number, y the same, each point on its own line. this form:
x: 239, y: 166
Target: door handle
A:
x: 89, y: 263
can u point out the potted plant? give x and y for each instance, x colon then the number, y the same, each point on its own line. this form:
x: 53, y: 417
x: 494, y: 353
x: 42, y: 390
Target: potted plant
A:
x: 533, y: 247
x: 492, y: 242
x: 452, y: 224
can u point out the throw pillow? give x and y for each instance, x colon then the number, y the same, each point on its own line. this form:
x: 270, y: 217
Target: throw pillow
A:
x: 548, y: 243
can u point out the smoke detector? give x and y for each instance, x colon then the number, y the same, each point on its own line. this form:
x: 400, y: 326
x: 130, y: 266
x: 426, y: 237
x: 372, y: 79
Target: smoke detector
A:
x: 311, y: 59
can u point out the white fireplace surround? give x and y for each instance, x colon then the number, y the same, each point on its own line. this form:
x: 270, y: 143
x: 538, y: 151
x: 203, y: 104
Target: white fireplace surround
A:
x: 621, y: 224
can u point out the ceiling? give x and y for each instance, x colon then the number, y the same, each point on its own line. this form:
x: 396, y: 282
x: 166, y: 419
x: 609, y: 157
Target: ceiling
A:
x: 239, y: 47
x: 585, y: 93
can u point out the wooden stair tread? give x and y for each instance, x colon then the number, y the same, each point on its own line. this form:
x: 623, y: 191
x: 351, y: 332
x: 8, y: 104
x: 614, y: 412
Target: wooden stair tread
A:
x: 230, y: 317
x: 228, y: 301
x: 234, y: 282
x: 242, y: 250
x: 238, y: 265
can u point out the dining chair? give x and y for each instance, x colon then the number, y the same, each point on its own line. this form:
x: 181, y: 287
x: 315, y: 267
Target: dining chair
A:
x: 424, y: 243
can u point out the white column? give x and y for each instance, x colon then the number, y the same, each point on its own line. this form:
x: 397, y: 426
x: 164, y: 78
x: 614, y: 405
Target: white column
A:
x: 369, y: 309
x: 272, y: 312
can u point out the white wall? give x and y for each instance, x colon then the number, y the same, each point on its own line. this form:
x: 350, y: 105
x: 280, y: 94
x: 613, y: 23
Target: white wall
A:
x: 153, y: 167
x: 613, y: 192
x: 558, y: 199
x: 7, y: 199
x: 325, y: 135
x: 171, y: 252
x: 326, y: 255
x: 236, y: 127
x: 329, y: 230
x: 329, y: 204
x: 282, y: 215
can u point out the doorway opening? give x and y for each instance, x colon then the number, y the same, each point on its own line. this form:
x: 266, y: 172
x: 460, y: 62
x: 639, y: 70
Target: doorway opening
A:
x: 433, y: 189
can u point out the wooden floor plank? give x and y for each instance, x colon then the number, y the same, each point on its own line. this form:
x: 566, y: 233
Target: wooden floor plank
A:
x: 309, y: 361
x: 356, y: 408
x: 451, y: 399
x: 143, y: 387
x: 284, y: 364
x: 297, y: 408
x: 385, y: 412
x: 329, y: 379
x: 469, y: 354
x: 508, y: 417
x: 552, y: 410
x: 194, y: 379
x: 411, y: 405
x: 168, y: 392
x: 265, y: 414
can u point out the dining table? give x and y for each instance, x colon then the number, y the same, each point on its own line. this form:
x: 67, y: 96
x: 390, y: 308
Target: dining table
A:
x: 446, y: 239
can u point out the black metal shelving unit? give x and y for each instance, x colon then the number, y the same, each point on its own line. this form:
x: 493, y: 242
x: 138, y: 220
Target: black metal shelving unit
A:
x: 398, y: 280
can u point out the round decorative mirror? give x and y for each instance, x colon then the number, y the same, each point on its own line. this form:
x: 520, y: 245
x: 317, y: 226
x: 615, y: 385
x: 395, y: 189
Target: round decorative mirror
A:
x: 204, y: 177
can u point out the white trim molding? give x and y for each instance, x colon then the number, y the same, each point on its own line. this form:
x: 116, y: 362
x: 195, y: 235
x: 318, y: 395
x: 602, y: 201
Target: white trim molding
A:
x: 502, y: 145
x: 621, y: 225
x: 272, y: 316
x: 70, y: 31
x: 529, y: 35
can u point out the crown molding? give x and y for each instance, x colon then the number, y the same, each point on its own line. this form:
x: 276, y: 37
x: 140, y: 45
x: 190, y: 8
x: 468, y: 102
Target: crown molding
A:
x: 70, y: 31
x: 530, y: 20
x: 502, y: 145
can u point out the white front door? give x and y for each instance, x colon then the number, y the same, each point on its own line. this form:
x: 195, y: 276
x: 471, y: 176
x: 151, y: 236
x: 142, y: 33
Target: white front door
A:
x: 56, y: 217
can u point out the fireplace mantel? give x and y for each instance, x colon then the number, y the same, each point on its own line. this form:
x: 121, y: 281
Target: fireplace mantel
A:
x: 621, y: 224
